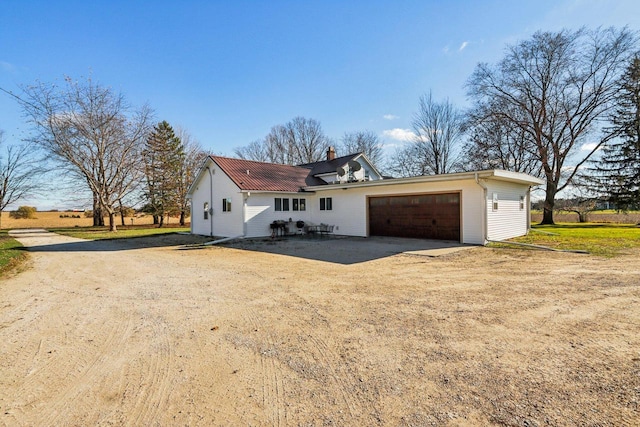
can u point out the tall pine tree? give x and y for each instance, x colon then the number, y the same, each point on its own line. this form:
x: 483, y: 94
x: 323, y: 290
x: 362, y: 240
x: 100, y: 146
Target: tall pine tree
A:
x: 617, y: 173
x: 163, y: 159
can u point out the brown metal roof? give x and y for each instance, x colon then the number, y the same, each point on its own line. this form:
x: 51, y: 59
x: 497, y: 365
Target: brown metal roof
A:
x: 258, y: 176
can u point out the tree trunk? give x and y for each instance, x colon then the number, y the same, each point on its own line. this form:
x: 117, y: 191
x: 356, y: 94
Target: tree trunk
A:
x: 161, y: 220
x: 549, y: 202
x: 156, y: 221
x: 182, y: 218
x: 112, y: 221
x: 98, y: 218
x: 95, y: 210
x: 122, y: 214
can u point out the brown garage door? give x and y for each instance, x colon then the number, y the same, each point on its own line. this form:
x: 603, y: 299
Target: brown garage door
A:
x: 425, y: 216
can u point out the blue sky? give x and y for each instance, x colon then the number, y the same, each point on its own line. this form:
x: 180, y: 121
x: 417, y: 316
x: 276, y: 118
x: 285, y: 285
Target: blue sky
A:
x: 228, y: 71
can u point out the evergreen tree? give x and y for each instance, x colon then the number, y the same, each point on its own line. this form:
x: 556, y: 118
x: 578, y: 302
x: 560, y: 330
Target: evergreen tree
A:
x: 617, y: 173
x: 163, y: 159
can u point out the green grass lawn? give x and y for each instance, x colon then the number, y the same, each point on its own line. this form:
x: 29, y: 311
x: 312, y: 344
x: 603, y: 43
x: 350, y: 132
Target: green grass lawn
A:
x: 11, y: 254
x: 597, y: 239
x: 103, y: 233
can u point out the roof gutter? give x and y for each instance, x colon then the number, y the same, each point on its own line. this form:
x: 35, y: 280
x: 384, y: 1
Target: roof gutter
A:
x: 393, y: 181
x: 301, y: 191
x: 494, y: 174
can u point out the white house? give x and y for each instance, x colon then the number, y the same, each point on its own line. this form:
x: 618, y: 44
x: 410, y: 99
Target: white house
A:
x: 234, y: 197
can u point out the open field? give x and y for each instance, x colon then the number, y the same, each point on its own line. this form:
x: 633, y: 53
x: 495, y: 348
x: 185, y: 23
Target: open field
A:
x: 611, y: 217
x: 141, y: 332
x: 53, y: 220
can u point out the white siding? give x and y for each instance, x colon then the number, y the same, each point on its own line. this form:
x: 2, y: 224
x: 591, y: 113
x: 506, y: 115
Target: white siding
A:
x: 508, y: 220
x: 251, y: 213
x: 260, y: 212
x: 200, y: 196
x: 219, y: 224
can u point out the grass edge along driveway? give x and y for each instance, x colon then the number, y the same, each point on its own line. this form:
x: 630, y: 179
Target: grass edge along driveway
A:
x: 605, y: 240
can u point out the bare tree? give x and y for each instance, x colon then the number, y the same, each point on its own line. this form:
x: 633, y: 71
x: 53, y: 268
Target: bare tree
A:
x: 278, y: 147
x: 403, y: 164
x: 557, y: 88
x: 366, y: 142
x: 194, y: 156
x: 438, y: 129
x: 257, y: 150
x: 299, y: 141
x: 495, y: 143
x: 18, y: 174
x: 583, y: 202
x: 306, y: 139
x: 92, y: 133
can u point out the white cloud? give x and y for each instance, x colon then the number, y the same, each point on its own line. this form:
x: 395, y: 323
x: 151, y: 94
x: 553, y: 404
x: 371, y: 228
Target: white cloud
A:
x: 399, y: 134
x: 463, y: 45
x: 390, y: 117
x: 588, y: 146
x: 7, y: 66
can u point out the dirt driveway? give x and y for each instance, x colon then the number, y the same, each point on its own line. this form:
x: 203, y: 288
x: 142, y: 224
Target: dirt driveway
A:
x: 145, y: 332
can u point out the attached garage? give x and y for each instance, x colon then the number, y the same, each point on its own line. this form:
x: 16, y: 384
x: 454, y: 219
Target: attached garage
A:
x: 467, y: 207
x: 425, y: 216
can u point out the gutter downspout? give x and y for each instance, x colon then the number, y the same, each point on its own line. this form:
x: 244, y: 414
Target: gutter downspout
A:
x: 225, y: 239
x: 245, y: 197
x: 485, y: 221
x: 528, y: 201
x: 211, y: 202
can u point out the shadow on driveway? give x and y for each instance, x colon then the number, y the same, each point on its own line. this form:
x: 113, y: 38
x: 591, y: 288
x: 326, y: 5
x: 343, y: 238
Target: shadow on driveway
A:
x: 347, y: 250
x: 335, y: 249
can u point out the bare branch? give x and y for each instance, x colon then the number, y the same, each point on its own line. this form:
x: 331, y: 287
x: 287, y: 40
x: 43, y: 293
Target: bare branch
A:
x: 89, y: 130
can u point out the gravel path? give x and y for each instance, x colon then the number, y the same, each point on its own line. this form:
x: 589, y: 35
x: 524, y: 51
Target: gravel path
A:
x: 150, y: 332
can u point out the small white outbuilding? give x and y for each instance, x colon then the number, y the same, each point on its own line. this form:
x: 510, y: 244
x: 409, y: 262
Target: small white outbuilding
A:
x: 235, y: 197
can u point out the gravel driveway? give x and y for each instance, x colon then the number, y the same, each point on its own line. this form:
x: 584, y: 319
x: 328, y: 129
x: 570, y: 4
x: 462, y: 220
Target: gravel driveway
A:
x: 151, y: 332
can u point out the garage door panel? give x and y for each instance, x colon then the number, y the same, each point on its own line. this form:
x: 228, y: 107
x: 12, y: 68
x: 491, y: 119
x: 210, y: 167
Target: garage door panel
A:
x: 428, y: 216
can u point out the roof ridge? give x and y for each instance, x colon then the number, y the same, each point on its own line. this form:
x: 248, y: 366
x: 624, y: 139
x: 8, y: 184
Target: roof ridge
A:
x: 235, y: 159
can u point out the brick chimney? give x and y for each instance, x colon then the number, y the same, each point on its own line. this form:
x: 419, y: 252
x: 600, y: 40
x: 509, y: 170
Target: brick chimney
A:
x: 331, y: 154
